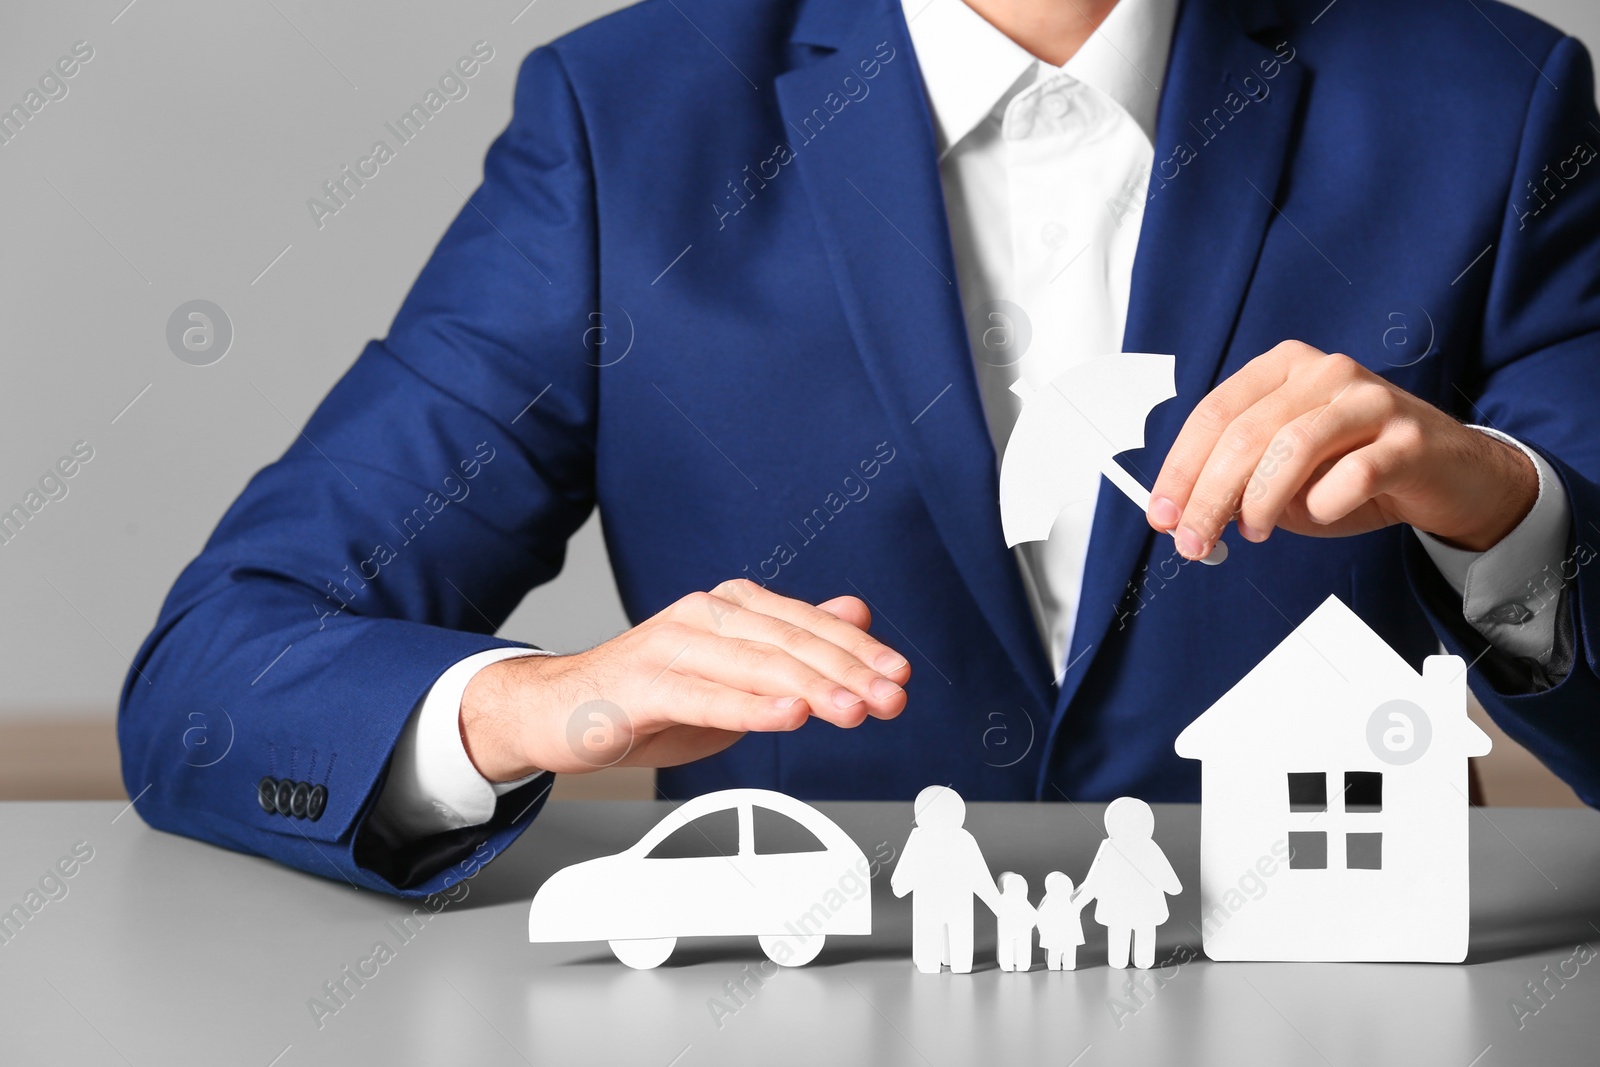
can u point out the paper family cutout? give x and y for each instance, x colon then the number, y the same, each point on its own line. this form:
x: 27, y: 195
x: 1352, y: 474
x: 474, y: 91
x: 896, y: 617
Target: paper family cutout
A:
x: 642, y: 903
x: 1071, y: 430
x: 942, y: 869
x: 1333, y: 827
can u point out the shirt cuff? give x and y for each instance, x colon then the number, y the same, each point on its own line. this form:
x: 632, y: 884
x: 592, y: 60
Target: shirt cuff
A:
x: 432, y: 785
x: 1511, y: 594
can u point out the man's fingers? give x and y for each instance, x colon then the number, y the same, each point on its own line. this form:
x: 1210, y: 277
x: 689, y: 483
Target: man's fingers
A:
x: 1220, y: 487
x: 1238, y: 452
x: 844, y: 688
x: 1200, y: 491
x: 761, y: 667
x: 849, y: 608
x: 1355, y: 417
x: 1358, y: 477
x: 749, y: 639
x: 853, y: 639
x: 691, y: 700
x: 1205, y: 424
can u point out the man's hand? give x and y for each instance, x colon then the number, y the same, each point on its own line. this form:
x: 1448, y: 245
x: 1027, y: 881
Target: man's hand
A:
x: 1319, y: 445
x: 684, y: 684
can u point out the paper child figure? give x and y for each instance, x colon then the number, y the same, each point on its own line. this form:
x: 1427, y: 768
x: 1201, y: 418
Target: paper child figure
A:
x: 1130, y: 877
x: 943, y: 868
x: 1060, y: 922
x: 1015, y: 920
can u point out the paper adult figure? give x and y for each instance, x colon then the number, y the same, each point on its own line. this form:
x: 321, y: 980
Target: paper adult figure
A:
x: 943, y: 868
x: 1130, y: 878
x: 1060, y: 923
x: 1014, y: 921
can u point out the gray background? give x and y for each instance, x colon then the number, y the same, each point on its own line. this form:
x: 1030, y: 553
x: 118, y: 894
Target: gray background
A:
x: 178, y: 167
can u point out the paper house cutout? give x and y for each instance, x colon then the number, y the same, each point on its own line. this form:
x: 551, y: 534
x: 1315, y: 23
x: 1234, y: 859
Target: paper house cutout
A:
x: 1333, y: 818
x: 641, y: 901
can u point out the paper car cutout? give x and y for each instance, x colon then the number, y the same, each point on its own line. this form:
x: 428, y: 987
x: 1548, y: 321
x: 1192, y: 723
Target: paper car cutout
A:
x: 641, y: 902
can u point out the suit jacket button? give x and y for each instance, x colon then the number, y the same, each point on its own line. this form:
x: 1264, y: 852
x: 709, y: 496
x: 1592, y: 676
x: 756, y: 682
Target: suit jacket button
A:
x: 316, y: 802
x: 283, y: 797
x: 299, y: 799
x: 266, y: 794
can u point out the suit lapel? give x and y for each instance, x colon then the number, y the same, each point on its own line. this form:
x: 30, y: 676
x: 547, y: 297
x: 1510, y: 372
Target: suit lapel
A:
x: 1201, y: 235
x: 872, y: 178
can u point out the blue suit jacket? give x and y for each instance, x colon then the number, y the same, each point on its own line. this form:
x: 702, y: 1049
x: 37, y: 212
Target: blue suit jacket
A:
x: 778, y: 385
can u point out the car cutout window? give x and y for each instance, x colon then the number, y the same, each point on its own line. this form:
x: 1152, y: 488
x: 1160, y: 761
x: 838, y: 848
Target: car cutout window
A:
x: 715, y: 833
x: 777, y: 834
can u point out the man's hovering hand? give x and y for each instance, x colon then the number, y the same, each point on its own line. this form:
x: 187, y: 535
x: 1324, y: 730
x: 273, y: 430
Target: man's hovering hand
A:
x: 1319, y: 445
x: 683, y: 684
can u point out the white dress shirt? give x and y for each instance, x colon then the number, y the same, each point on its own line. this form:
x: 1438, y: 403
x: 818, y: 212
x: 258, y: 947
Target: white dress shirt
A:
x: 433, y: 785
x: 1044, y: 171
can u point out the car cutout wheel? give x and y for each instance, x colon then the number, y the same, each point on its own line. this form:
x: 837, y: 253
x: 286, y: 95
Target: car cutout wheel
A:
x: 790, y: 951
x: 643, y: 953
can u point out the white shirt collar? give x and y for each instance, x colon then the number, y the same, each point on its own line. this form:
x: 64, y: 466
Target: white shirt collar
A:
x: 970, y: 67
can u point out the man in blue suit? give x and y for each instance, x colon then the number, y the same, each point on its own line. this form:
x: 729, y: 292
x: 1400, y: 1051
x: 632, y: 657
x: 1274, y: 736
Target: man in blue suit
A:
x: 811, y: 228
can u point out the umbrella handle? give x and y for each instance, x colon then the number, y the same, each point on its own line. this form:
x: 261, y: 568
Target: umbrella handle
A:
x: 1118, y: 476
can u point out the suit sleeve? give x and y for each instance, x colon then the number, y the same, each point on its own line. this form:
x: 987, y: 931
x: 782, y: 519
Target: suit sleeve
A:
x: 435, y: 485
x: 432, y: 785
x: 1539, y: 381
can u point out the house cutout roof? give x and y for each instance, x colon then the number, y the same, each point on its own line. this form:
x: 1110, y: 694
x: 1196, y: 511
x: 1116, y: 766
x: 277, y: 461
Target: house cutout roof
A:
x: 1315, y: 691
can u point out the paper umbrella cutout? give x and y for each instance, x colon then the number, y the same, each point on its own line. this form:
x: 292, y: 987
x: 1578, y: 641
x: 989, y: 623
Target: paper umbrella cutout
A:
x: 1069, y: 432
x: 677, y: 883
